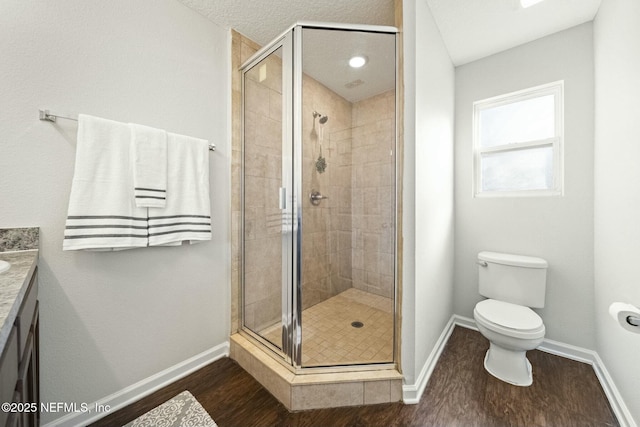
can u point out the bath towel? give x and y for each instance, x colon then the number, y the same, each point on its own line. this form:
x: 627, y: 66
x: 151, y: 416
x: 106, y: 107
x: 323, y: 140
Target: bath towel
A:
x: 187, y: 214
x: 102, y: 214
x: 149, y: 151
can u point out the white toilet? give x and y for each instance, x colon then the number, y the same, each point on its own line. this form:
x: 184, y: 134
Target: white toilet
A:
x: 513, y: 283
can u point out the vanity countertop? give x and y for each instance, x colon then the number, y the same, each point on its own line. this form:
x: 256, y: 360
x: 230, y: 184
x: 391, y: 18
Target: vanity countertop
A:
x: 13, y: 286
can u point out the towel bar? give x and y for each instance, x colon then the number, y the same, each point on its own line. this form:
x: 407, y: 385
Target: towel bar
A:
x: 50, y: 117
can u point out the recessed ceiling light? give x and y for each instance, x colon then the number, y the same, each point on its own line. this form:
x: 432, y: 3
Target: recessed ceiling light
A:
x: 528, y: 3
x: 357, y: 61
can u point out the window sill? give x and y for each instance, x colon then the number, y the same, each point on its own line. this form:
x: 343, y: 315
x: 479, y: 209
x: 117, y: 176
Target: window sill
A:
x: 524, y: 193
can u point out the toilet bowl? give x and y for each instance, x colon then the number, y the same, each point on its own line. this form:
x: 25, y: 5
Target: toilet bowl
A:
x: 512, y: 284
x: 511, y: 330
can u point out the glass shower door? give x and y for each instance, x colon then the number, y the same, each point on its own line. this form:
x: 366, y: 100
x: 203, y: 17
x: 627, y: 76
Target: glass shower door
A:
x: 266, y: 219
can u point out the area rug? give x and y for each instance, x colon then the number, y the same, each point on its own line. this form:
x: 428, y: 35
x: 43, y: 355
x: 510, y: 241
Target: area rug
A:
x: 181, y: 411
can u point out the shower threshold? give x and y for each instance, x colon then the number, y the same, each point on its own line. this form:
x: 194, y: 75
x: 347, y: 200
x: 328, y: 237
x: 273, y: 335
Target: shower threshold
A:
x: 316, y: 390
x: 342, y: 364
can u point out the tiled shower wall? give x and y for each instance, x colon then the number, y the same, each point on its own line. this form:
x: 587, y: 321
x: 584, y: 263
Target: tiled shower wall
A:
x: 373, y: 188
x: 348, y: 240
x: 326, y: 238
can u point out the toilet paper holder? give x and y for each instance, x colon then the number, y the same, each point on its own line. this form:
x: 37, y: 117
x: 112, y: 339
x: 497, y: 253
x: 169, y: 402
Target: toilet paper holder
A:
x: 633, y: 320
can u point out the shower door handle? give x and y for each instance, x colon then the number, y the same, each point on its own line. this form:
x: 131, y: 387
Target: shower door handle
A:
x: 283, y: 198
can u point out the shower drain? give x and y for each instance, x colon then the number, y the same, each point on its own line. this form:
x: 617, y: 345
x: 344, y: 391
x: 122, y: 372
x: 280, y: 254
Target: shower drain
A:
x: 357, y: 324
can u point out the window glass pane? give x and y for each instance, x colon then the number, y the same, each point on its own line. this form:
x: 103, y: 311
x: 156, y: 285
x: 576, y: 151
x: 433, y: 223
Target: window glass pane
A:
x: 526, y: 169
x: 528, y: 120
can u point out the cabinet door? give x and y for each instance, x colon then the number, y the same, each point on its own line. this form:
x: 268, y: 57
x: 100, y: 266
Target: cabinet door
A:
x: 28, y: 379
x: 8, y: 372
x: 26, y: 315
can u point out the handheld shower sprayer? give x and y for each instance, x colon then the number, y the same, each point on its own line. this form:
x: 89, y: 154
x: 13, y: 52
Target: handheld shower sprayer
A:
x: 321, y: 163
x: 323, y: 119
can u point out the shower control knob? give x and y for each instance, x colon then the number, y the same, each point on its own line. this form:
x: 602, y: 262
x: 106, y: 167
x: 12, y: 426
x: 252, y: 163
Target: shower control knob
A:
x: 315, y: 197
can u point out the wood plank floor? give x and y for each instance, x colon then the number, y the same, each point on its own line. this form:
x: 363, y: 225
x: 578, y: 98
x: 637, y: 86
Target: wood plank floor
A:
x: 459, y: 393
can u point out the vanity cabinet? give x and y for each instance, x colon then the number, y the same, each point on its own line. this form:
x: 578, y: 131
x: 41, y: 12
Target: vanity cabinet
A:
x: 19, y: 367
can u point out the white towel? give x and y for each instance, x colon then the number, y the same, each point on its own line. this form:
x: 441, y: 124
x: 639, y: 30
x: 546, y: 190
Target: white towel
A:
x: 102, y: 214
x: 149, y: 151
x: 187, y: 215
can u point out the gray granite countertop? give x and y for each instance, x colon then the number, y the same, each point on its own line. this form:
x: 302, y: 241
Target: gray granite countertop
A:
x: 14, y: 283
x: 13, y: 286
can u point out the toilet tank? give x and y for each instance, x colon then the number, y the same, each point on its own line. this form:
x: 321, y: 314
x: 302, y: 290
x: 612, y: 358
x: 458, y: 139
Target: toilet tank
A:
x: 517, y: 279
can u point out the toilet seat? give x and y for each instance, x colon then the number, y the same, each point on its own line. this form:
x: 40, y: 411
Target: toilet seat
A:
x: 509, y: 319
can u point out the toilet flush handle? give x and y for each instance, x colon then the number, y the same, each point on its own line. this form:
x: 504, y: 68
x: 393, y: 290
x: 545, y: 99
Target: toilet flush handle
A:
x: 482, y: 263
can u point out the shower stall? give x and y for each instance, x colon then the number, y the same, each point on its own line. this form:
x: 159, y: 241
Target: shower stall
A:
x: 318, y: 227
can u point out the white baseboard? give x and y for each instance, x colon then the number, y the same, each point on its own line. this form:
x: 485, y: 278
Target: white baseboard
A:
x: 465, y: 322
x: 615, y: 399
x: 143, y: 388
x: 411, y: 393
x: 583, y: 355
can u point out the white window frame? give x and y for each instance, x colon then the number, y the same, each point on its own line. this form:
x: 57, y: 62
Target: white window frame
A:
x: 557, y: 142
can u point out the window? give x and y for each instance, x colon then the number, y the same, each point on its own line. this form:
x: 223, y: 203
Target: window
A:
x: 518, y: 143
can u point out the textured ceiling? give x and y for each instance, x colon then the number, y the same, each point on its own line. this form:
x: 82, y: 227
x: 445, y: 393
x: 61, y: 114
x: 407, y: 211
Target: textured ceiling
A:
x: 473, y: 29
x: 262, y: 20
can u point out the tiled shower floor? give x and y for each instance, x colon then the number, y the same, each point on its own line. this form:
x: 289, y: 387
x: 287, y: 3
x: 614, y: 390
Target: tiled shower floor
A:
x: 329, y: 339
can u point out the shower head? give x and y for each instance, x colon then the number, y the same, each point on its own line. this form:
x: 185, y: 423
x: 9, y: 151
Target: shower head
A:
x: 323, y: 119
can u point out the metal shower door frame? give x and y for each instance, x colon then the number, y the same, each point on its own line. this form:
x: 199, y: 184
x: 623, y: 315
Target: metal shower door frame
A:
x: 288, y: 222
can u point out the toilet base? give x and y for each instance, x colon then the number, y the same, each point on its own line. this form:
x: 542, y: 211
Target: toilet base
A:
x: 510, y: 366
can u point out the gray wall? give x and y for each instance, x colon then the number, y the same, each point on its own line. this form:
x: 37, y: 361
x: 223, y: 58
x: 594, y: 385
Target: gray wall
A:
x: 558, y: 229
x: 617, y: 188
x: 427, y: 188
x: 109, y: 320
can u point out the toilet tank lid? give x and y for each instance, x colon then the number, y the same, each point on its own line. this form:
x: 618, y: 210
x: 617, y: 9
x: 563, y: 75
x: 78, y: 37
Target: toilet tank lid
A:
x: 513, y: 260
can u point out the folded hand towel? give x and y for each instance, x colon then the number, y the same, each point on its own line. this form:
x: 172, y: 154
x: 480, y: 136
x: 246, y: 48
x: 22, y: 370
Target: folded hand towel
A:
x: 187, y: 215
x: 149, y: 151
x: 102, y: 214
